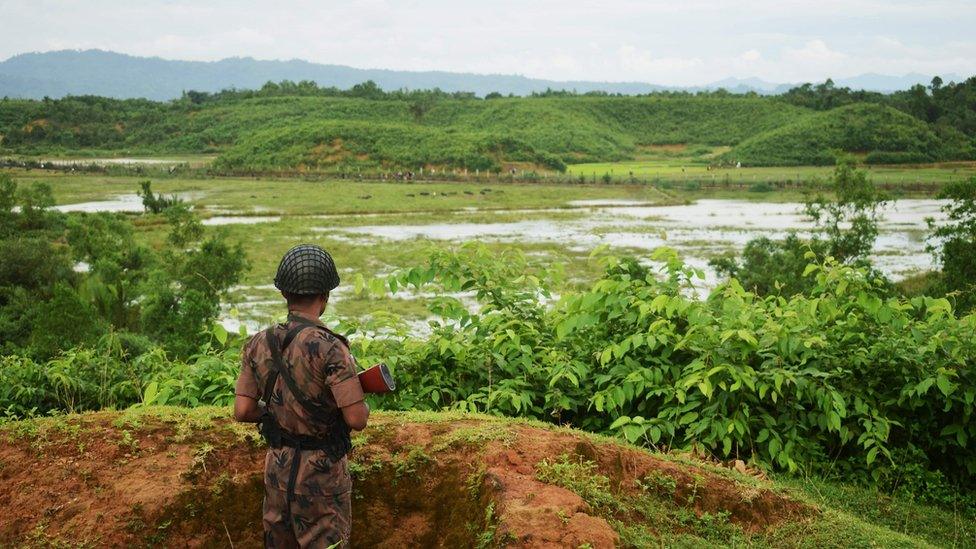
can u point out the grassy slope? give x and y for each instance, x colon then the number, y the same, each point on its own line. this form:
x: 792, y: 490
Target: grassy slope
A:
x: 168, y: 473
x: 859, y: 128
x: 575, y: 129
x: 273, y: 133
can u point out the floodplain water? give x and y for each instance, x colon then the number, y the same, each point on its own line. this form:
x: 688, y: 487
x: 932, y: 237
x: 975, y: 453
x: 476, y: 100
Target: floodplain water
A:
x: 698, y: 231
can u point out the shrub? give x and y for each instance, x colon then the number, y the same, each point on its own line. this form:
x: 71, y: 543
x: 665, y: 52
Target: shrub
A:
x: 842, y: 374
x: 954, y: 243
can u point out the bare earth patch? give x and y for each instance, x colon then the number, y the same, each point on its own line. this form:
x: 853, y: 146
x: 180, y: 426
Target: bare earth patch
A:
x: 166, y: 476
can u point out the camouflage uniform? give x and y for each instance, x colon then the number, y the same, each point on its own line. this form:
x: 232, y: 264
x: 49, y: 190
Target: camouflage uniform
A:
x: 320, y: 513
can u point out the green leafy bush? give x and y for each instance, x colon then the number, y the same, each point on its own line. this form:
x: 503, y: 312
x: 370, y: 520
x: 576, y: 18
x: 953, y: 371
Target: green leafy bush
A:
x: 845, y: 228
x: 65, y: 279
x: 954, y: 243
x: 844, y: 374
x: 105, y: 375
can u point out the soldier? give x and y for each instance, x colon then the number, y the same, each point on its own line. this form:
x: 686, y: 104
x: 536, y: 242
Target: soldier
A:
x: 299, y: 383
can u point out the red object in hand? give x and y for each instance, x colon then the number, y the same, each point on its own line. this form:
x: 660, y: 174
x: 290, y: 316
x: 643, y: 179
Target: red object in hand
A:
x: 377, y: 379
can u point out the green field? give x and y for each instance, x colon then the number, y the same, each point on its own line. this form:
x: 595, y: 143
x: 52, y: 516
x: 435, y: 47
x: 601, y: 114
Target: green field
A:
x: 284, y: 212
x: 298, y: 197
x: 691, y: 169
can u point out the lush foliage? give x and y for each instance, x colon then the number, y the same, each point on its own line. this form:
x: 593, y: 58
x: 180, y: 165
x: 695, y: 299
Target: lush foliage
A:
x: 840, y: 377
x: 884, y: 132
x: 301, y: 126
x: 843, y: 378
x: 65, y: 279
x: 954, y: 243
x: 940, y: 104
x: 352, y: 145
x: 108, y: 374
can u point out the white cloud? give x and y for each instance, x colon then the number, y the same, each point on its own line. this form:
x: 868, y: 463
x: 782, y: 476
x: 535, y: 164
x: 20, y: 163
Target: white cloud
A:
x: 814, y: 51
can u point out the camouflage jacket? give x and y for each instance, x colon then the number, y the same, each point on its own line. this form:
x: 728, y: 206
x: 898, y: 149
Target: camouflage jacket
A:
x: 325, y: 372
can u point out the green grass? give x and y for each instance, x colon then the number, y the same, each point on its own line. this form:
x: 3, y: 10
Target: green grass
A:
x: 850, y: 515
x: 687, y: 170
x: 297, y: 197
x: 923, y: 523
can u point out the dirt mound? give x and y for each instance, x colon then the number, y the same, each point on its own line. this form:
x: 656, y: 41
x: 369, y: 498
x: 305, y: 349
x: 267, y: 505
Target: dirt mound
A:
x: 170, y: 476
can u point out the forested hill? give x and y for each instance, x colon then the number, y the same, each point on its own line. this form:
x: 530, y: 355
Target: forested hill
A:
x: 301, y: 126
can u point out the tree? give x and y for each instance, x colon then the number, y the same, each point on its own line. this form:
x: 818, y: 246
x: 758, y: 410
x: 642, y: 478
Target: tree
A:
x: 846, y: 226
x: 954, y: 243
x: 419, y: 107
x: 67, y: 279
x: 850, y: 218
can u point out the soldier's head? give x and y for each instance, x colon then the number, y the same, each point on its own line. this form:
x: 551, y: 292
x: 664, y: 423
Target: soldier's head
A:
x: 305, y: 277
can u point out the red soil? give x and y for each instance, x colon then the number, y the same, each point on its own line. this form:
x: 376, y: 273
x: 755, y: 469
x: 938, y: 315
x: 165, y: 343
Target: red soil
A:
x: 84, y: 480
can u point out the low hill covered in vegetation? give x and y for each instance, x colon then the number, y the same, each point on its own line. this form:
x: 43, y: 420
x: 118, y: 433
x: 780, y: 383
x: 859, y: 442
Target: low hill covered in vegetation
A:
x: 884, y: 134
x: 302, y: 127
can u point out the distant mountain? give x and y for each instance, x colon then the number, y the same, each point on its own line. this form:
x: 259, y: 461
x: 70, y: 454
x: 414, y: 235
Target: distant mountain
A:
x: 60, y: 73
x: 97, y: 72
x: 745, y: 85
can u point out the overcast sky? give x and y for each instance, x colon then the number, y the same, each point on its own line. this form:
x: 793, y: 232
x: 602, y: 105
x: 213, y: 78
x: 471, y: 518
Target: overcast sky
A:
x: 676, y: 42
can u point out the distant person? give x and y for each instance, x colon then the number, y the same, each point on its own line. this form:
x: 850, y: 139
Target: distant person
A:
x: 299, y: 382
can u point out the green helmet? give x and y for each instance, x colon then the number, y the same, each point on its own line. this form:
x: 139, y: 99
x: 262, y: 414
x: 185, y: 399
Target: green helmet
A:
x: 306, y: 269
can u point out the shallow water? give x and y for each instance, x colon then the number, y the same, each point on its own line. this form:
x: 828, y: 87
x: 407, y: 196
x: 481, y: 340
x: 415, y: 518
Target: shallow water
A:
x: 127, y: 203
x: 123, y: 203
x: 698, y: 231
x: 240, y: 219
x: 111, y: 161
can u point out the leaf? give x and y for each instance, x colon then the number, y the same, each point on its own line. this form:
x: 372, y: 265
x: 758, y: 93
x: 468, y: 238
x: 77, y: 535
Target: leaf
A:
x: 220, y: 333
x: 150, y: 394
x: 621, y: 421
x: 688, y: 418
x: 655, y: 433
x: 810, y: 268
x: 872, y: 454
x: 944, y: 384
x: 923, y: 386
x: 744, y: 335
x: 763, y: 435
x: 833, y: 421
x: 633, y: 432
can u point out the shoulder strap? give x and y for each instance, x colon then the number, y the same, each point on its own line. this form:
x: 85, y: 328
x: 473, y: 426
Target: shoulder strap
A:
x: 278, y: 368
x: 273, y: 345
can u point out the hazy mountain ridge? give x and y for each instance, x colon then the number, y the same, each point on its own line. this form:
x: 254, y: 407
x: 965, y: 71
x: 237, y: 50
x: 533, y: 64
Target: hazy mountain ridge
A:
x: 97, y: 72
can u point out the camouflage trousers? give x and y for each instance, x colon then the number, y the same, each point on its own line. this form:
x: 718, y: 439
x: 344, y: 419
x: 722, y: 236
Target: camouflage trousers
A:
x: 317, y: 522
